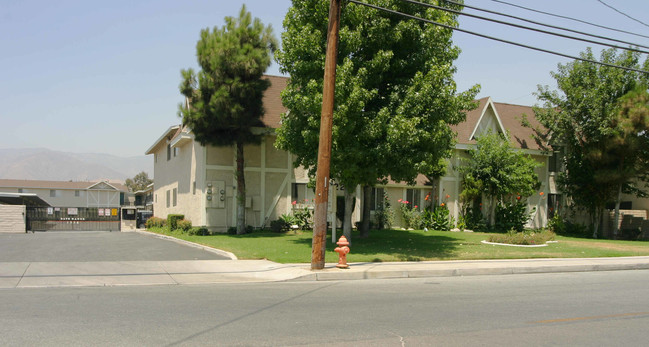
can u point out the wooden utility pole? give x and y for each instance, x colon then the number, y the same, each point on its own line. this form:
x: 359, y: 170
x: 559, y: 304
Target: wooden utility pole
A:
x: 319, y: 241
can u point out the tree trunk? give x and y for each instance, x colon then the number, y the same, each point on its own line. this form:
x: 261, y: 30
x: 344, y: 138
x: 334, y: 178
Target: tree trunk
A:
x: 241, y: 191
x: 349, y: 208
x: 616, y: 219
x: 365, y: 225
x: 492, y: 211
x: 595, y: 222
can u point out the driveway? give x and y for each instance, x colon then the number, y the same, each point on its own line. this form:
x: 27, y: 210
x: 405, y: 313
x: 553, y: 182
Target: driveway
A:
x: 95, y: 246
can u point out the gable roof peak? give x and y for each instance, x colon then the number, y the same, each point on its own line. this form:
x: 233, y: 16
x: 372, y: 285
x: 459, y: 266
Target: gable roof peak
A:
x: 488, y: 104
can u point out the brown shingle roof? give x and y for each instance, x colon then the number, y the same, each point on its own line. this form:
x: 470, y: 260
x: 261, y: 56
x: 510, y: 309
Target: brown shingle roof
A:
x: 273, y: 101
x: 511, y: 118
x: 465, y: 129
x: 11, y: 183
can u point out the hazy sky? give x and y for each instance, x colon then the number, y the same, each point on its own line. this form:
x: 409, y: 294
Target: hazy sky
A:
x: 91, y: 76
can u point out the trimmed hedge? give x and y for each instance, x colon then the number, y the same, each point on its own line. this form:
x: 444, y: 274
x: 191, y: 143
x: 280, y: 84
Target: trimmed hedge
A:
x: 155, y: 222
x: 172, y: 220
x: 184, y: 224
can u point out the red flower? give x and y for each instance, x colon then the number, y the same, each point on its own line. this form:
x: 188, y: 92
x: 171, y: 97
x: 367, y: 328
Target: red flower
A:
x: 518, y: 197
x: 447, y: 196
x: 294, y: 202
x: 541, y: 193
x: 400, y: 200
x: 416, y: 206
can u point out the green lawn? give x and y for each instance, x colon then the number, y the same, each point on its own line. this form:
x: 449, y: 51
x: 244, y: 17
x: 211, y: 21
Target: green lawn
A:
x: 401, y: 245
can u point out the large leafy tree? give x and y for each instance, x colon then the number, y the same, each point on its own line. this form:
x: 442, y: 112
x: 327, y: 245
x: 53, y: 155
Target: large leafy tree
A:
x: 224, y: 98
x: 583, y: 116
x: 625, y: 150
x: 138, y: 182
x: 395, y: 93
x: 496, y: 171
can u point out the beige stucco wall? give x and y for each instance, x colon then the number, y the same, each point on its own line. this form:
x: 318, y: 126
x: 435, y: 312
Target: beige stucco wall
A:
x: 268, y: 174
x: 12, y: 219
x: 179, y: 172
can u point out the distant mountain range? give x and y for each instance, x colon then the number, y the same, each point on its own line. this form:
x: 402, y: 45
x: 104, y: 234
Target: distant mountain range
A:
x: 45, y: 164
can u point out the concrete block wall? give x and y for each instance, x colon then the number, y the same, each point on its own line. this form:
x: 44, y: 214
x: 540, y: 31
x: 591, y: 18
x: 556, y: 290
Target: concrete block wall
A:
x: 12, y: 219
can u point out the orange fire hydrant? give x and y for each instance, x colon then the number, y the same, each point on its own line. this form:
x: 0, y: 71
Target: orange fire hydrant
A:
x: 342, y: 251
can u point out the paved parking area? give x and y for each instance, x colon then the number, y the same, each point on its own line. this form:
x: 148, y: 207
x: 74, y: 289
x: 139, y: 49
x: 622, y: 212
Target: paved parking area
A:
x: 95, y: 246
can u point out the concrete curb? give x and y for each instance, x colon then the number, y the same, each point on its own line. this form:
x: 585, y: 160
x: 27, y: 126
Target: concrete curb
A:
x: 191, y: 244
x: 474, y: 268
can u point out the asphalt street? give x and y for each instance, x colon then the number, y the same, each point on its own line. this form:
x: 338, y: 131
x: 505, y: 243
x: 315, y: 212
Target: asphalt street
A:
x: 84, y: 246
x: 560, y: 309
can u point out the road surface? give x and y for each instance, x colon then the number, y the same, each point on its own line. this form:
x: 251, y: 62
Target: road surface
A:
x: 567, y: 309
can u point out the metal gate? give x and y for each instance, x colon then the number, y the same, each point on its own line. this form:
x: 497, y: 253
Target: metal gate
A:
x: 73, y: 219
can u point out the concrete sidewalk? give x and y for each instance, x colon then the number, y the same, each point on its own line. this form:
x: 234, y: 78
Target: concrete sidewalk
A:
x: 65, y: 274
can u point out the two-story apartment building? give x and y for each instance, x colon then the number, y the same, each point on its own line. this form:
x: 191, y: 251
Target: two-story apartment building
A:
x: 199, y: 182
x: 68, y: 193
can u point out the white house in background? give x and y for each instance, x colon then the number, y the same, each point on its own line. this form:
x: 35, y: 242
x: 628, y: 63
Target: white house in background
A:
x: 199, y: 181
x: 70, y: 194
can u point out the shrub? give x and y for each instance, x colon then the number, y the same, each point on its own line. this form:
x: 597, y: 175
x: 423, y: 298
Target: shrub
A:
x: 438, y: 219
x: 461, y: 222
x: 560, y: 226
x: 302, y: 217
x: 531, y: 237
x: 201, y: 231
x: 288, y: 219
x: 410, y: 216
x: 384, y: 215
x: 172, y: 220
x: 184, y: 224
x: 512, y: 216
x: 233, y: 230
x: 472, y: 217
x: 279, y: 226
x: 155, y: 222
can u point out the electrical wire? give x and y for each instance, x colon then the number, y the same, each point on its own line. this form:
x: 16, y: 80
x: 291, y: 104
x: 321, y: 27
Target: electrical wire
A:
x: 622, y: 13
x: 544, y: 24
x: 495, y: 38
x: 524, y: 27
x: 569, y: 18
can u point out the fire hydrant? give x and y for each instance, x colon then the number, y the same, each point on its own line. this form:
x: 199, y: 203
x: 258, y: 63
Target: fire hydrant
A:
x: 342, y: 251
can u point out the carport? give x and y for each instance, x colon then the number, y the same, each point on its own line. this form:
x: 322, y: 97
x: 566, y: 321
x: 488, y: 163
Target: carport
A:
x: 13, y: 211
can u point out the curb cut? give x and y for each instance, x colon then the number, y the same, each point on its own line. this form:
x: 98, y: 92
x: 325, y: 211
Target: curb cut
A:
x: 220, y: 252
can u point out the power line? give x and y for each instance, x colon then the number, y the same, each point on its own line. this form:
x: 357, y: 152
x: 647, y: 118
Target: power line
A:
x: 622, y: 13
x: 524, y: 27
x: 495, y: 38
x: 544, y: 24
x: 570, y: 18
